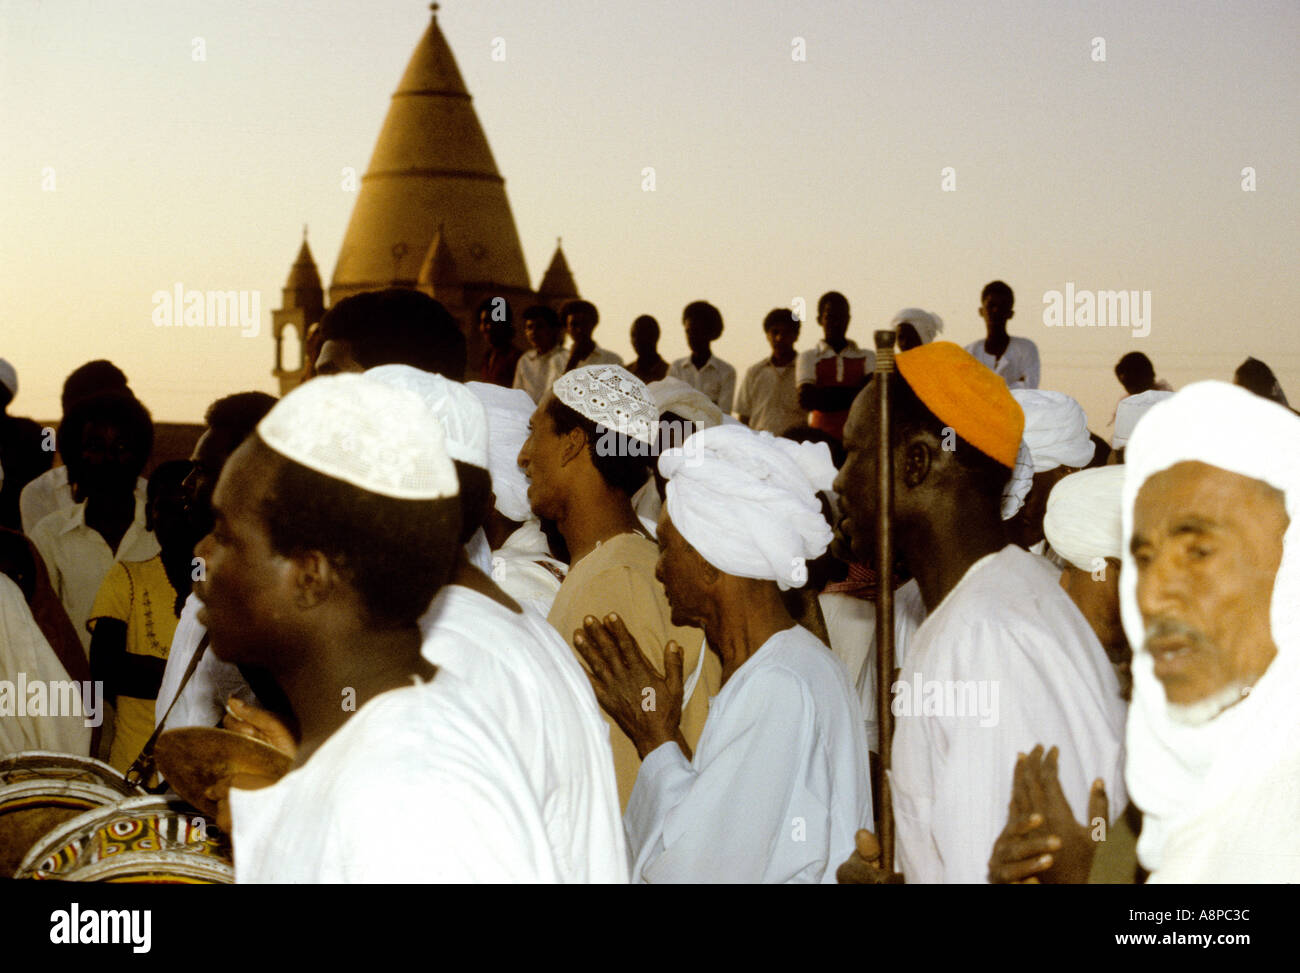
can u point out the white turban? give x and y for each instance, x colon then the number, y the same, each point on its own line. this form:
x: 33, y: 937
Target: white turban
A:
x: 683, y: 399
x: 1221, y: 799
x: 747, y: 501
x: 463, y: 418
x: 508, y: 412
x: 1082, y: 522
x: 927, y: 324
x: 376, y: 437
x: 611, y: 397
x: 1019, y: 483
x: 1056, y: 430
x: 1130, y: 410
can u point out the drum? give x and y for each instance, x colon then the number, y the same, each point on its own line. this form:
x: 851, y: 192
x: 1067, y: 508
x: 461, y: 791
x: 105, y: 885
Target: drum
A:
x: 155, y: 840
x: 39, y: 791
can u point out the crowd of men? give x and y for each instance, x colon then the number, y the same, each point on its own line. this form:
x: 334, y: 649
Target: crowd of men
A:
x: 580, y: 622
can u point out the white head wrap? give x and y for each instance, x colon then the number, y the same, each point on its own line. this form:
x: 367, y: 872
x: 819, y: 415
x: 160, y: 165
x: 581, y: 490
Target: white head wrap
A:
x: 1178, y: 774
x: 1082, y: 521
x: 927, y: 324
x: 352, y: 428
x: 508, y: 412
x: 748, y: 503
x: 611, y: 397
x: 1056, y: 430
x: 463, y: 418
x: 1018, y: 487
x: 1130, y: 410
x: 680, y: 398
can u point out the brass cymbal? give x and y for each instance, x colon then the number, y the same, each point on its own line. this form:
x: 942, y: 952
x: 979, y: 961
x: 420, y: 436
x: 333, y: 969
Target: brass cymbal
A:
x: 194, y: 758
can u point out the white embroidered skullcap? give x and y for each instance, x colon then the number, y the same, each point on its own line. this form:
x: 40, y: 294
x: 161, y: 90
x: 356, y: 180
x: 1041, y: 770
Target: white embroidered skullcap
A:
x: 927, y: 323
x: 685, y: 400
x: 747, y: 501
x: 508, y: 412
x: 1017, y: 488
x: 1083, y: 518
x: 1056, y: 429
x: 611, y: 397
x: 464, y: 420
x: 351, y: 428
x: 8, y: 376
x: 1130, y: 410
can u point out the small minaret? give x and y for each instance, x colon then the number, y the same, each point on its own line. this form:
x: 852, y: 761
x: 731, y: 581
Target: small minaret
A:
x: 557, y: 284
x: 302, y: 305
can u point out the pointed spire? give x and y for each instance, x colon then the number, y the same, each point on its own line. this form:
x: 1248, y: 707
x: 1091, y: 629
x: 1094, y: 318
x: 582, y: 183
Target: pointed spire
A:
x: 438, y: 274
x: 303, y: 288
x: 557, y: 283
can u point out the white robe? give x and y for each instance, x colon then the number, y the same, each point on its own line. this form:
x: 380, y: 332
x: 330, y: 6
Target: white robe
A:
x: 417, y: 786
x: 203, y: 700
x: 532, y: 686
x: 1006, y: 627
x: 778, y: 786
x: 524, y: 569
x: 29, y: 667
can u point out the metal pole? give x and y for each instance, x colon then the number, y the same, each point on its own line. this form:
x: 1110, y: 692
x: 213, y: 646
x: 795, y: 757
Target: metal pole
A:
x: 883, y: 379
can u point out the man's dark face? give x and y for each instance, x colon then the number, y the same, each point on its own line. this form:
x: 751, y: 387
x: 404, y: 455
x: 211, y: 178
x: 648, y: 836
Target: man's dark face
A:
x: 579, y: 325
x: 781, y: 338
x: 540, y: 335
x: 856, y: 483
x: 337, y: 356
x: 496, y: 333
x: 645, y: 339
x: 246, y: 588
x: 169, y: 516
x: 1026, y: 527
x: 996, y: 309
x: 541, y: 459
x: 210, y: 454
x: 1207, y: 544
x: 699, y: 335
x: 108, y: 462
x: 834, y: 320
x: 908, y: 337
x: 678, y: 570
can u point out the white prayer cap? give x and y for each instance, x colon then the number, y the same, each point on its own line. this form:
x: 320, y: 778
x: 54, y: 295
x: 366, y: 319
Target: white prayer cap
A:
x: 351, y: 428
x: 611, y: 397
x: 1082, y: 521
x: 8, y: 376
x: 683, y: 399
x: 927, y: 323
x: 508, y: 413
x: 1130, y: 410
x: 1056, y: 430
x: 464, y: 420
x: 1178, y: 773
x: 747, y: 501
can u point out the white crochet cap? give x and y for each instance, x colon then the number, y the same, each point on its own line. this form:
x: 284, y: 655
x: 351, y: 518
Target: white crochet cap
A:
x: 611, y: 397
x: 351, y: 428
x: 464, y: 420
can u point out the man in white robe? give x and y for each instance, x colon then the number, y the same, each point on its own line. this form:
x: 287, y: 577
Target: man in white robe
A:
x: 336, y: 524
x: 777, y: 784
x: 516, y: 663
x: 1003, y: 659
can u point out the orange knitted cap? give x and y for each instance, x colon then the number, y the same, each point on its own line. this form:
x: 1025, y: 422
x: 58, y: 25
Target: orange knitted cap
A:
x: 967, y: 396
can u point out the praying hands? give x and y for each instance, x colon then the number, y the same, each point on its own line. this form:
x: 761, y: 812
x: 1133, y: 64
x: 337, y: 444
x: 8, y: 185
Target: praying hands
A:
x: 646, y: 706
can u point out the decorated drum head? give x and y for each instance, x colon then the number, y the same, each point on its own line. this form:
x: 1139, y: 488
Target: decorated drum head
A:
x: 40, y: 791
x: 157, y: 840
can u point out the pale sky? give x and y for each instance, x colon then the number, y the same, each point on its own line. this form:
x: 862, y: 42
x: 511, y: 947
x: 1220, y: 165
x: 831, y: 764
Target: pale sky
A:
x: 127, y: 166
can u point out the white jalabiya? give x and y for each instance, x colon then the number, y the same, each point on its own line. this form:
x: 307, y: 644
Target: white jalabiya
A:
x: 532, y: 686
x: 524, y: 569
x: 851, y: 625
x: 1082, y: 521
x: 1220, y: 801
x: 778, y: 785
x: 1007, y: 626
x: 419, y: 785
x: 27, y: 660
x: 202, y: 701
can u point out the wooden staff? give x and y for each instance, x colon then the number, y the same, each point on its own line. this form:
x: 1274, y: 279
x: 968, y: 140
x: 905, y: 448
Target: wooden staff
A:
x: 884, y: 377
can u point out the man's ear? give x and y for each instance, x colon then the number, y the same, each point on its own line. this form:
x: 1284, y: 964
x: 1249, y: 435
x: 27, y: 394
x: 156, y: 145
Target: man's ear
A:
x: 312, y: 578
x: 916, y: 460
x: 575, y: 442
